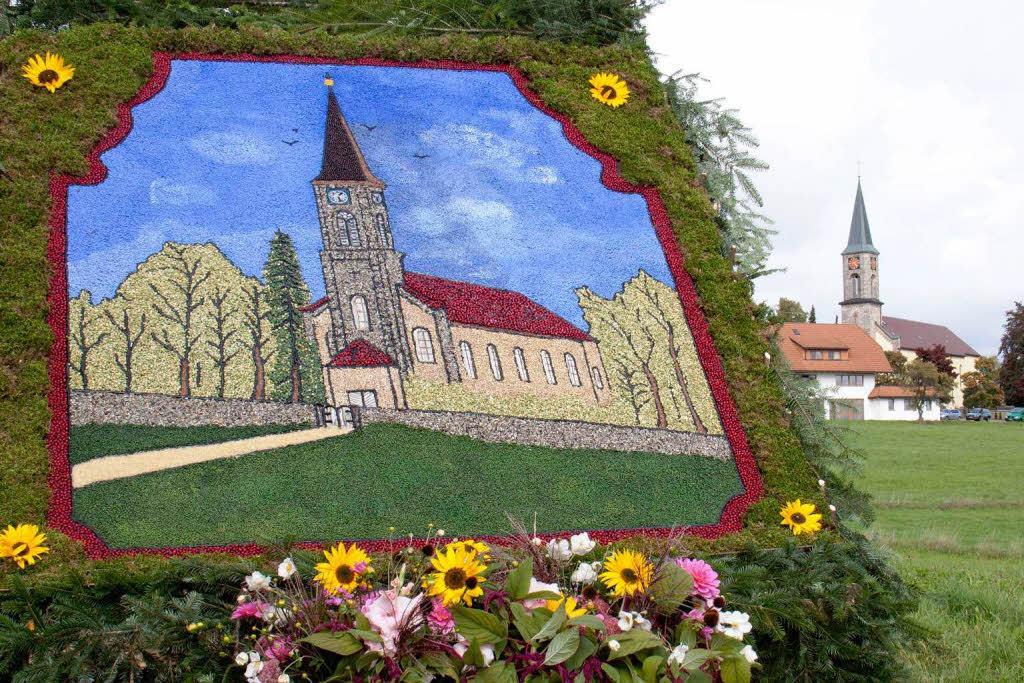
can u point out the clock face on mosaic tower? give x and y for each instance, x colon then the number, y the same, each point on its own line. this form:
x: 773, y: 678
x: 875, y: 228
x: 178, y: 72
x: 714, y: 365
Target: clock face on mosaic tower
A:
x: 853, y: 262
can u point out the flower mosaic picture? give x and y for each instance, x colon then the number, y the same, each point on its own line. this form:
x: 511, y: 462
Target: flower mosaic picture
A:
x: 313, y: 299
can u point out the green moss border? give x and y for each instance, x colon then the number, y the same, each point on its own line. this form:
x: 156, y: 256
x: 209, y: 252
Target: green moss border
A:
x: 46, y: 133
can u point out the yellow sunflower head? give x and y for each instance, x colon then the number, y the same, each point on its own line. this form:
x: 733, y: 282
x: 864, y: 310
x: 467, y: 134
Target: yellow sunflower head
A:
x: 609, y: 89
x: 800, y: 518
x: 48, y: 72
x: 344, y: 568
x: 469, y: 545
x: 456, y: 576
x: 23, y: 544
x: 572, y: 607
x: 626, y: 572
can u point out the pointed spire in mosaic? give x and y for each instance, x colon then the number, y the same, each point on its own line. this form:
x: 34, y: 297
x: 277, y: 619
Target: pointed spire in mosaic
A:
x: 343, y: 161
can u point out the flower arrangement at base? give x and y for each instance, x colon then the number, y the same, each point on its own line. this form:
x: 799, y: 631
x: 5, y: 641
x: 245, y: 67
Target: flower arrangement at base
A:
x: 22, y: 544
x: 48, y: 72
x: 800, y: 517
x: 454, y: 612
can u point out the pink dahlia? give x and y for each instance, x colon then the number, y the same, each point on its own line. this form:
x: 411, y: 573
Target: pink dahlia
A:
x: 705, y: 579
x: 250, y: 609
x: 440, y: 619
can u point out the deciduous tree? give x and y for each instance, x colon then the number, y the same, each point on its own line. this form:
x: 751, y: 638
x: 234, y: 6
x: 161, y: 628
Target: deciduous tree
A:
x: 790, y: 311
x: 1011, y: 348
x: 83, y: 334
x: 129, y: 333
x: 927, y: 384
x: 981, y: 387
x: 937, y: 356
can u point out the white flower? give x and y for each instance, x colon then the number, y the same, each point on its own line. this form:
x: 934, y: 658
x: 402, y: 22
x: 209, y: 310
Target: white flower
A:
x: 585, y: 573
x: 821, y: 483
x: 241, y: 659
x: 253, y: 670
x: 487, y: 651
x: 537, y: 542
x: 254, y: 656
x: 286, y: 568
x: 536, y: 587
x: 832, y: 508
x: 749, y: 653
x: 734, y: 624
x: 558, y: 549
x: 284, y: 678
x: 242, y: 598
x: 581, y: 544
x: 257, y: 581
x: 614, y: 645
x: 630, y: 620
x: 678, y: 654
x: 440, y: 532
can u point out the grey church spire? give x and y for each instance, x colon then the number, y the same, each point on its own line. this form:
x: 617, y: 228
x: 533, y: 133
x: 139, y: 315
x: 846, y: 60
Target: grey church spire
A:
x: 860, y: 231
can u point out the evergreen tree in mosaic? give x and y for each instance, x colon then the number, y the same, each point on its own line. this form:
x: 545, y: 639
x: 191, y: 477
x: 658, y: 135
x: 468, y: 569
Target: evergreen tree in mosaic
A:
x: 85, y: 334
x: 296, y: 370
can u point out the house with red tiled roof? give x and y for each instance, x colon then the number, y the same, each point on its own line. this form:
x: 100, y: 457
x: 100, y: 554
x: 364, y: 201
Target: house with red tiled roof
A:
x: 845, y: 361
x: 862, y: 307
x: 380, y: 327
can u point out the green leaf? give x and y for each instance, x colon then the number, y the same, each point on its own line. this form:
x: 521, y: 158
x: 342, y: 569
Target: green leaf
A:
x: 366, y: 635
x: 362, y: 623
x: 735, y: 669
x: 611, y: 672
x: 553, y: 625
x: 651, y: 666
x: 698, y: 676
x: 695, y: 658
x: 474, y: 656
x: 588, y: 621
x: 439, y: 663
x: 672, y: 586
x: 498, y: 672
x: 527, y: 624
x: 545, y: 595
x: 588, y: 646
x: 479, y: 625
x: 562, y: 647
x: 342, y: 643
x: 517, y: 583
x: 634, y: 641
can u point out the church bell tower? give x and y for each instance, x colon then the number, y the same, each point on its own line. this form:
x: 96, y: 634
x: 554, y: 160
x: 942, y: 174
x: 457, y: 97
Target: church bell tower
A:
x: 860, y: 304
x: 362, y: 270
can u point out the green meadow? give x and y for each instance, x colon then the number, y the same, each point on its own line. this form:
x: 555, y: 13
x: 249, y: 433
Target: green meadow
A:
x: 950, y: 505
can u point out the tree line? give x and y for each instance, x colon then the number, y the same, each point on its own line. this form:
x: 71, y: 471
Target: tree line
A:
x: 188, y: 322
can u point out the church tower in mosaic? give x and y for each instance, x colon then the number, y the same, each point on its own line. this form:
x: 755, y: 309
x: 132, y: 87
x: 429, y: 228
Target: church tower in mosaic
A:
x: 362, y: 271
x: 860, y: 305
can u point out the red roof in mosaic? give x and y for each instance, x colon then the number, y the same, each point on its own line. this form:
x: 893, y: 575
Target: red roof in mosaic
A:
x: 501, y: 309
x: 315, y: 305
x: 360, y: 354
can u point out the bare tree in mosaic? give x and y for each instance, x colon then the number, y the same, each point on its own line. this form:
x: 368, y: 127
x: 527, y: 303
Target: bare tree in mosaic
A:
x: 130, y: 335
x: 185, y: 276
x: 81, y: 319
x: 220, y: 348
x: 257, y: 326
x: 637, y: 393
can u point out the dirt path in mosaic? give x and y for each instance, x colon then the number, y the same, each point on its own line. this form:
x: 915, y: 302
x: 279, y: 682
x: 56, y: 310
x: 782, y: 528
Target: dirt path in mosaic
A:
x: 121, y: 466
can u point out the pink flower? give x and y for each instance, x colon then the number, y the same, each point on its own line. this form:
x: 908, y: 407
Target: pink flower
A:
x: 611, y: 624
x: 440, y: 619
x: 705, y: 579
x: 280, y: 650
x: 389, y: 614
x: 250, y: 609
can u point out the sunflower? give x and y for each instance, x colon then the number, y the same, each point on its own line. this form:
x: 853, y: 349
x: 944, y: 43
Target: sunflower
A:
x: 49, y: 72
x: 343, y: 569
x: 609, y: 89
x: 626, y: 572
x: 798, y: 517
x: 23, y: 544
x: 572, y: 607
x: 469, y: 545
x: 456, y: 576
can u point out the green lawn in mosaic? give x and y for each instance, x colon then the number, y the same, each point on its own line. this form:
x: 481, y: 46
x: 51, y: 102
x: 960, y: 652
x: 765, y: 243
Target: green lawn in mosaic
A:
x: 94, y: 441
x: 356, y: 486
x: 950, y: 503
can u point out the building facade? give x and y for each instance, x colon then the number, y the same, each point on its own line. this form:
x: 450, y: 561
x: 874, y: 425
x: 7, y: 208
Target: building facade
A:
x: 861, y: 305
x: 380, y: 327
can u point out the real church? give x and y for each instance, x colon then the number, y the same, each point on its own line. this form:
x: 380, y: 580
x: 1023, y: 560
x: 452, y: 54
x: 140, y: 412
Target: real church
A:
x: 861, y: 305
x: 379, y: 325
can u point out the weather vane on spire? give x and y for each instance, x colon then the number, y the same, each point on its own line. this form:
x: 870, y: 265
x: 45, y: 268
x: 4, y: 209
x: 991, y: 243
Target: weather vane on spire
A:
x: 328, y: 81
x: 858, y: 169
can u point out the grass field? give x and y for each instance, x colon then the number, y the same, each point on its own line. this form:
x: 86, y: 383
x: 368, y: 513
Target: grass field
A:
x: 357, y: 485
x: 93, y: 441
x: 950, y: 504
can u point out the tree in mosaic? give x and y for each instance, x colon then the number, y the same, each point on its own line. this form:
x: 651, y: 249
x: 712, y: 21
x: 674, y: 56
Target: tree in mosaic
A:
x: 85, y: 334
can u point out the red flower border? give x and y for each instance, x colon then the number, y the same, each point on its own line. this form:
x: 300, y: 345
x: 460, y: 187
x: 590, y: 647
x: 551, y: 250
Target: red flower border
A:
x: 60, y: 512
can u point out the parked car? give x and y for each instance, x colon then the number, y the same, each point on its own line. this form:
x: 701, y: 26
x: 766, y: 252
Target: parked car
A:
x: 1015, y: 415
x: 950, y: 414
x: 979, y: 414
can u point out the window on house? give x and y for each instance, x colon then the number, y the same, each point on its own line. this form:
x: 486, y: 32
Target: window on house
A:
x: 834, y: 355
x: 348, y: 232
x: 855, y: 284
x: 492, y: 356
x: 365, y: 398
x: 928, y: 405
x: 570, y: 368
x: 524, y: 374
x: 424, y: 346
x: 382, y: 229
x: 596, y: 375
x: 360, y: 315
x: 850, y: 380
x: 908, y: 404
x: 809, y: 376
x: 892, y: 404
x: 815, y: 355
x: 549, y: 370
x: 467, y: 360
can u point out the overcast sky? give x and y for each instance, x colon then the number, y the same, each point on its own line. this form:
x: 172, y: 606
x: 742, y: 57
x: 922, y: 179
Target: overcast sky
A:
x: 926, y: 95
